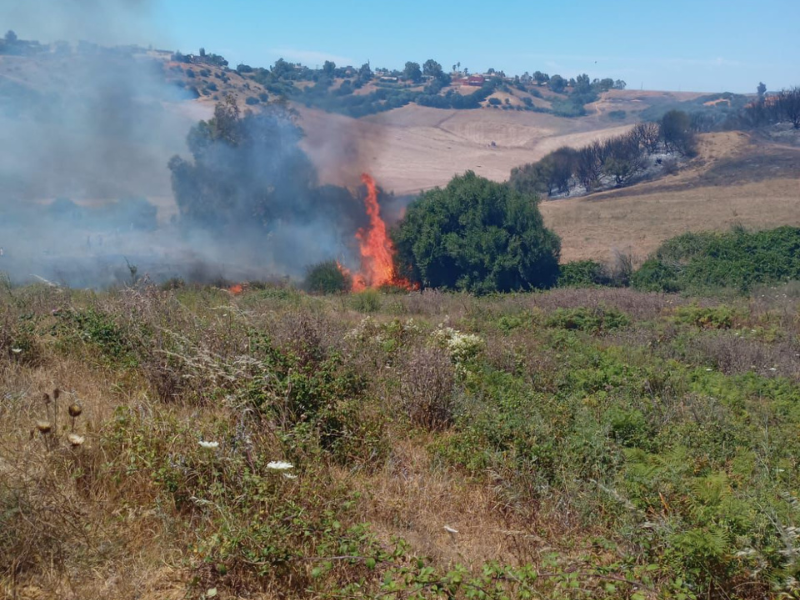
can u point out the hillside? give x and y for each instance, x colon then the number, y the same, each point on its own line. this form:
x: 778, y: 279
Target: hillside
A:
x: 415, y: 148
x: 737, y: 178
x: 406, y: 149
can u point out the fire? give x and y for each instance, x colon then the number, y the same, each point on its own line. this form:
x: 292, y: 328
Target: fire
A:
x: 375, y: 246
x: 236, y: 289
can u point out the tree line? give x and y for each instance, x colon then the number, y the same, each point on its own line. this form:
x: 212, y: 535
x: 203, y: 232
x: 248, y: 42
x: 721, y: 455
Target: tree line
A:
x: 615, y: 162
x: 769, y: 110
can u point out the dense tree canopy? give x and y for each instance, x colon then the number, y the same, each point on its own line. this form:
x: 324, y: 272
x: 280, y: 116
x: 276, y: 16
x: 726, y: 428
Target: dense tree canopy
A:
x: 557, y: 83
x: 476, y: 235
x: 412, y: 72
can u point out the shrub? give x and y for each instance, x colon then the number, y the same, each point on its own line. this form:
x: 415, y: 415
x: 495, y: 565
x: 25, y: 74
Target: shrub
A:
x: 426, y: 388
x: 478, y: 236
x: 738, y: 259
x: 586, y: 319
x: 326, y: 278
x: 368, y: 301
x: 583, y: 273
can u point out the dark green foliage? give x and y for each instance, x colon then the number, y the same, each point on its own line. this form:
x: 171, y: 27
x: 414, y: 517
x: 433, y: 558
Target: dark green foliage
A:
x: 617, y: 115
x: 557, y: 83
x: 737, y: 259
x: 656, y: 276
x: 583, y: 273
x: 721, y: 317
x: 476, y: 235
x: 583, y: 319
x: 326, y: 278
x: 412, y: 72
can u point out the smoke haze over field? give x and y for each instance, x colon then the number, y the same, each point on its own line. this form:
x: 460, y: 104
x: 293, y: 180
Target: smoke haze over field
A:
x: 86, y: 134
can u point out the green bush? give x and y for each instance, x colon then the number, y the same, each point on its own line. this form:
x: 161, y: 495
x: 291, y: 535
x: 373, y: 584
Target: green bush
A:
x: 476, y: 235
x: 583, y: 273
x: 737, y: 259
x: 326, y: 278
x: 586, y: 319
x: 368, y: 301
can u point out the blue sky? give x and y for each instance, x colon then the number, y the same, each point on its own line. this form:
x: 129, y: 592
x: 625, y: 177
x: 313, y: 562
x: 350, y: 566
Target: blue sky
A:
x: 699, y: 45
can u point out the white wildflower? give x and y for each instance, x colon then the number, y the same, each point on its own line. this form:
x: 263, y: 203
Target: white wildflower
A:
x: 16, y: 350
x: 289, y: 476
x: 449, y: 529
x: 209, y: 445
x: 75, y: 439
x: 279, y: 465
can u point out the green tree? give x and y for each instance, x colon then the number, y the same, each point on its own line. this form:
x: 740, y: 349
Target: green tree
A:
x: 557, y: 83
x: 582, y: 84
x: 476, y: 235
x: 365, y: 72
x: 762, y: 89
x: 329, y: 68
x: 412, y: 72
x: 431, y: 68
x: 282, y: 68
x: 541, y: 78
x: 10, y: 37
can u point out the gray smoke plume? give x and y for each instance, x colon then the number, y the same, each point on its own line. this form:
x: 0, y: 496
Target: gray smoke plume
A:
x: 87, y: 130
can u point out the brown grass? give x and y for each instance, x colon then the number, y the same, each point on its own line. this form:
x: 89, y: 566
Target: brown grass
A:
x: 637, y: 220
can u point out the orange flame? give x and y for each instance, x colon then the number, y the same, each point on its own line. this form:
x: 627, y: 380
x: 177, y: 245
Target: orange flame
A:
x: 377, y: 250
x: 236, y: 289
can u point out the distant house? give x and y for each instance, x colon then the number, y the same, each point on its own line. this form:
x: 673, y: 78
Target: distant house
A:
x: 475, y: 80
x: 387, y: 79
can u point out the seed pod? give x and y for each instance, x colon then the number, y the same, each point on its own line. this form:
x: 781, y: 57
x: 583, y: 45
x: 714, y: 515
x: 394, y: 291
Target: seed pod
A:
x: 75, y: 410
x: 75, y: 439
x: 44, y: 427
x: 56, y: 393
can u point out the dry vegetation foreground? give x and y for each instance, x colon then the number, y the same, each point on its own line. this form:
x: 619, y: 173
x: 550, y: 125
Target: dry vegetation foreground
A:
x: 574, y: 444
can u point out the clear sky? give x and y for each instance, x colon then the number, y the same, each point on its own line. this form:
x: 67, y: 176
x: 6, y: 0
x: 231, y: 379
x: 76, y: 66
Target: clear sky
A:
x: 698, y: 45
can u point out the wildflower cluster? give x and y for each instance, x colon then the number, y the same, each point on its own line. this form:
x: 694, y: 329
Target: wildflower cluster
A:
x: 463, y: 348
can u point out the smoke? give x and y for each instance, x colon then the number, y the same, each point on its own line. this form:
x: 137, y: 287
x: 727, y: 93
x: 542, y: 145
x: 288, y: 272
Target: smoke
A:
x: 106, y: 22
x: 87, y: 131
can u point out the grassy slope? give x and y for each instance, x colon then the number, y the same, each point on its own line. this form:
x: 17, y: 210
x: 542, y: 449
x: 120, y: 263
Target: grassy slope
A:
x: 734, y: 180
x: 644, y: 434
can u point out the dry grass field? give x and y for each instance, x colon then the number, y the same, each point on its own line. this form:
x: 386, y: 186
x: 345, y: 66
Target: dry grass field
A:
x: 416, y: 148
x: 734, y: 180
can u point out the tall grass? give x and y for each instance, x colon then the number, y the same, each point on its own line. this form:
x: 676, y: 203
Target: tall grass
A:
x: 578, y: 443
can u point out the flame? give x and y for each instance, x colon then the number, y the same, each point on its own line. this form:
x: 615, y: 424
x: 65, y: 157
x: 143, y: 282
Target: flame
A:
x: 236, y: 289
x: 375, y: 246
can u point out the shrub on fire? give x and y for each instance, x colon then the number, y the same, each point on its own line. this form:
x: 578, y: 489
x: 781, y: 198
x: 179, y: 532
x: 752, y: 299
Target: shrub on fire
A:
x: 478, y: 236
